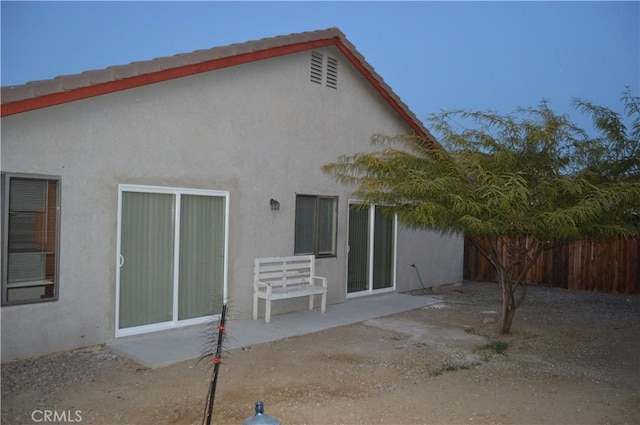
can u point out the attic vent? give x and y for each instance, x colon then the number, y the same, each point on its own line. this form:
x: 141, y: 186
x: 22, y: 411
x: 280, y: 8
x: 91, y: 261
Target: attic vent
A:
x: 324, y: 72
x: 316, y: 67
x: 332, y: 73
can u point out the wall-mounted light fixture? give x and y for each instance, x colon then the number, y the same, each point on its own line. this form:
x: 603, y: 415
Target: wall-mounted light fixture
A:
x: 275, y: 205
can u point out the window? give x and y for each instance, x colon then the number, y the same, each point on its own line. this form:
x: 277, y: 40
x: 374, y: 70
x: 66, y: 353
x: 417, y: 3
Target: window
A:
x: 30, y: 223
x: 316, y: 225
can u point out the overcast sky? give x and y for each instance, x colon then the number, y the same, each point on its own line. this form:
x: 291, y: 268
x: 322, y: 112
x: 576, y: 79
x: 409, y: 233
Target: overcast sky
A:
x: 435, y: 55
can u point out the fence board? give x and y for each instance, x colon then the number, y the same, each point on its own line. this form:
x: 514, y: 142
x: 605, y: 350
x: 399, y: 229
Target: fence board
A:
x: 611, y: 266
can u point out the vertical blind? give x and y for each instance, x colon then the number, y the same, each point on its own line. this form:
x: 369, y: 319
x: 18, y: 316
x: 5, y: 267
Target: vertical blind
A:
x: 382, y: 251
x: 305, y: 225
x: 361, y: 261
x: 150, y: 230
x: 316, y: 225
x: 358, y: 260
x: 201, y: 256
x: 327, y: 217
x: 146, y: 275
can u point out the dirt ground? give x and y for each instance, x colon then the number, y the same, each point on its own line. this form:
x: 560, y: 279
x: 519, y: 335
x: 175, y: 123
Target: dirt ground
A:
x: 572, y: 358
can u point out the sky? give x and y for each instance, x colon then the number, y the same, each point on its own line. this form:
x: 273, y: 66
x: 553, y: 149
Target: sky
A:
x: 435, y: 55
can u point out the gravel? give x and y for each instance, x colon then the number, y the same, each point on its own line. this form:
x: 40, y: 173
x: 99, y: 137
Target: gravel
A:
x: 55, y: 372
x: 574, y: 307
x: 584, y: 328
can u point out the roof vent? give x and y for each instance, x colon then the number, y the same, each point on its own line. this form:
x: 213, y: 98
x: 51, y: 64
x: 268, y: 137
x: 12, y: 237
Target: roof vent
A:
x: 316, y: 67
x: 332, y: 73
x: 324, y: 72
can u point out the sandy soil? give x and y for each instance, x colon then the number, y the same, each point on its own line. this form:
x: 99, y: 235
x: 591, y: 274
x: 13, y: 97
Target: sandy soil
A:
x: 572, y: 358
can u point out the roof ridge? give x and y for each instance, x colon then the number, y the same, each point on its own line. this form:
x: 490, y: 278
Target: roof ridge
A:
x: 67, y: 88
x: 160, y: 63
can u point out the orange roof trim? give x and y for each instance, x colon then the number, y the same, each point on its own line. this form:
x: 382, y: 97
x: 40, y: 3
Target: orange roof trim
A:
x: 69, y: 88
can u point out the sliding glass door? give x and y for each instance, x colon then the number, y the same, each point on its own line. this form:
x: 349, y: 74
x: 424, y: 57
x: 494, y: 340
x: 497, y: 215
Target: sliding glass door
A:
x: 371, y: 258
x: 171, y: 257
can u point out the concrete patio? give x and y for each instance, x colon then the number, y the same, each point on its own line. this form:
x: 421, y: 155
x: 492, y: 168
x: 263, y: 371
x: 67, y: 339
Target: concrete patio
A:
x: 164, y: 348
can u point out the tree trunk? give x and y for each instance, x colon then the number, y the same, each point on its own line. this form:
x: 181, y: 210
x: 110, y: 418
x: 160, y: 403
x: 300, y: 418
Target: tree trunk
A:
x: 508, y: 307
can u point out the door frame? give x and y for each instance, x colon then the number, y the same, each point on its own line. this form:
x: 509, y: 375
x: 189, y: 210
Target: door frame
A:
x: 176, y: 192
x: 370, y: 290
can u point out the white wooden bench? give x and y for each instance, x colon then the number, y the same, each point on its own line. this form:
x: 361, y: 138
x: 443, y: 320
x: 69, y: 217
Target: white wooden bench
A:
x: 278, y: 278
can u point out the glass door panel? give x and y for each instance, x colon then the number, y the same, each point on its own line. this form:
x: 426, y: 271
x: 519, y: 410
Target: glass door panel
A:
x: 201, y: 275
x: 146, y: 249
x: 383, y: 250
x: 358, y: 263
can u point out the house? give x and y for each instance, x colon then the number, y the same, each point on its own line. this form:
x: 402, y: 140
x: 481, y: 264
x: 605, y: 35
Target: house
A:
x: 135, y: 198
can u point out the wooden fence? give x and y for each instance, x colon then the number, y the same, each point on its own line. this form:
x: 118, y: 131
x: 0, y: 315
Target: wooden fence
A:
x: 583, y: 265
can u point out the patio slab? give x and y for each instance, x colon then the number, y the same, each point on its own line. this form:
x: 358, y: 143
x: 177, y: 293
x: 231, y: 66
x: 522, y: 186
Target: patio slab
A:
x: 160, y: 349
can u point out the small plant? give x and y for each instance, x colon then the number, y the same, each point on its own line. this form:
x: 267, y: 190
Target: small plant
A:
x: 448, y: 367
x: 477, y: 331
x: 497, y: 346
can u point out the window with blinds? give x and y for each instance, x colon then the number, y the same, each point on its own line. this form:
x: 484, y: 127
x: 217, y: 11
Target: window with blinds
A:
x: 30, y: 232
x: 316, y: 225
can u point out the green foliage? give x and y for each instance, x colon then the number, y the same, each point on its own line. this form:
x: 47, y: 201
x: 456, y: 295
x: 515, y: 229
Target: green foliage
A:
x: 519, y: 182
x: 614, y: 154
x: 448, y: 367
x: 496, y: 346
x: 532, y: 172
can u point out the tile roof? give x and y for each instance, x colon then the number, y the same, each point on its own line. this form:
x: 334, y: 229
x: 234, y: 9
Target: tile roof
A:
x: 67, y: 88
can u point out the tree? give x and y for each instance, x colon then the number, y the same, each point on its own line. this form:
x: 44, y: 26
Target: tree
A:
x: 517, y: 183
x: 615, y: 154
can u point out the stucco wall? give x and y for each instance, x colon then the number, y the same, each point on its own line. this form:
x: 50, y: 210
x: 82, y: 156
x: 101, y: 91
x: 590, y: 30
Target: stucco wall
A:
x: 438, y: 259
x: 260, y: 131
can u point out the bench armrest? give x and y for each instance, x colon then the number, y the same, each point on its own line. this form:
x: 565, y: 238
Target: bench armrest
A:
x: 321, y: 279
x: 258, y: 285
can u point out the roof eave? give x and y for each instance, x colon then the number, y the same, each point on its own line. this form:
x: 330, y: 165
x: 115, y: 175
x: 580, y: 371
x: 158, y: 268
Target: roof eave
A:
x: 29, y: 104
x: 95, y: 87
x: 386, y: 92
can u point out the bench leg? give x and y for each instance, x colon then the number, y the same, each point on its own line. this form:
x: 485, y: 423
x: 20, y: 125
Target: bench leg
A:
x: 267, y: 310
x: 323, y: 304
x: 255, y: 306
x: 310, y: 302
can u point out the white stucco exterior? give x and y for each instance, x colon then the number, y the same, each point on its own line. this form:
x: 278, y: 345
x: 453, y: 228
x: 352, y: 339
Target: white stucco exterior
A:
x: 258, y: 131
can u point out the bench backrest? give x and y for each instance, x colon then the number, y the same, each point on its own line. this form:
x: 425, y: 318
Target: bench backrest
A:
x: 283, y: 271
